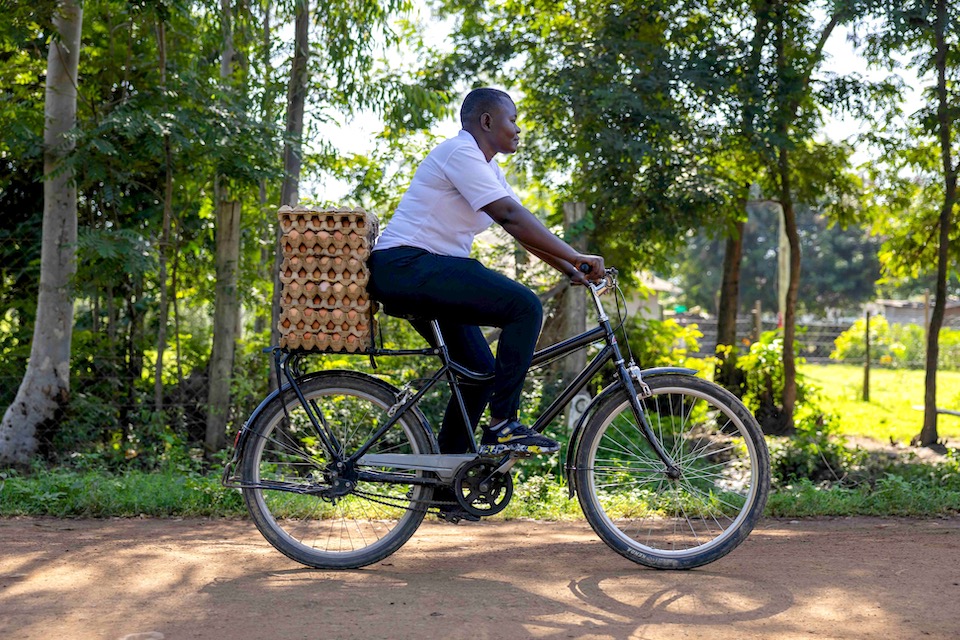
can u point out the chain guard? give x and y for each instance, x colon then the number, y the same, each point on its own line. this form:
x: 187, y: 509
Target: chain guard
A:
x: 480, y: 491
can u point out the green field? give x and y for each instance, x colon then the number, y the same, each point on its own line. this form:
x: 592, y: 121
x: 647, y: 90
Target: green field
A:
x: 896, y: 400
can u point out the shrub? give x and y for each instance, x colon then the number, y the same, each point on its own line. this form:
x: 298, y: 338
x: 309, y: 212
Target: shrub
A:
x: 816, y: 452
x: 762, y: 387
x: 895, y: 345
x: 658, y: 343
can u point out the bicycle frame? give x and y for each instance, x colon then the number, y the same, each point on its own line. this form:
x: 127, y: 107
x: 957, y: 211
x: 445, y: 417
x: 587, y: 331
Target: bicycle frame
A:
x: 629, y: 376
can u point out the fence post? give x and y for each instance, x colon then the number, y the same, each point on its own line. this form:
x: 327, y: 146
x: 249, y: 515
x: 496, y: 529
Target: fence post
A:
x: 757, y: 322
x: 866, y: 363
x: 574, y: 309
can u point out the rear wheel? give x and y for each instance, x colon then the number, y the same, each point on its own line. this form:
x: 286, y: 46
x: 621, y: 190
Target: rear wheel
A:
x: 680, y: 523
x: 288, y: 475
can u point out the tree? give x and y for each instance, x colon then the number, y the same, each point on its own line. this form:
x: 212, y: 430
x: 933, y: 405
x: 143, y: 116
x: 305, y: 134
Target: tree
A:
x: 226, y: 318
x: 619, y: 104
x: 841, y: 264
x: 292, y: 148
x: 928, y: 30
x: 45, y: 388
x: 781, y: 109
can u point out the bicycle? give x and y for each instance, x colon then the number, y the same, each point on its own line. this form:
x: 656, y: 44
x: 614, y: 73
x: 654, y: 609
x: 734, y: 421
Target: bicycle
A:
x: 338, y: 468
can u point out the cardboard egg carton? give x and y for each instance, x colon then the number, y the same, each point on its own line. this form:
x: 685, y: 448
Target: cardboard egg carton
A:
x: 324, y: 301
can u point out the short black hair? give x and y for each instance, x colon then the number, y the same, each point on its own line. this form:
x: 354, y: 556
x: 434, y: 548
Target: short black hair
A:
x: 480, y: 101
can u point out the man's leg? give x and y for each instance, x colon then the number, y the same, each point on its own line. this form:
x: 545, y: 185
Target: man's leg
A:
x: 460, y: 291
x: 468, y: 348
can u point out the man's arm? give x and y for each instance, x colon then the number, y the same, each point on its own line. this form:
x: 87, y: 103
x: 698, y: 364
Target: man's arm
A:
x: 536, y: 238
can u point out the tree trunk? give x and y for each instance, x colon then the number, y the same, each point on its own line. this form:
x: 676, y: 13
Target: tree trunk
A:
x: 263, y: 316
x: 928, y: 434
x: 226, y: 312
x: 45, y: 387
x: 292, y: 152
x: 725, y: 373
x: 789, y: 398
x: 225, y: 324
x: 164, y: 244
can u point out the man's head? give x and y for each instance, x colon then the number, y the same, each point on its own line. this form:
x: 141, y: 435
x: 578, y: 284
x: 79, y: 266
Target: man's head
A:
x: 491, y: 116
x: 480, y: 101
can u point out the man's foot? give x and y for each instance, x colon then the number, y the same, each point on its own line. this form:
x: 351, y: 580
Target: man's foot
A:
x: 510, y: 436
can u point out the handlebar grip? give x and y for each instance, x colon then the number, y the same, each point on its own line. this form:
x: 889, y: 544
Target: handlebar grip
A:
x: 584, y: 267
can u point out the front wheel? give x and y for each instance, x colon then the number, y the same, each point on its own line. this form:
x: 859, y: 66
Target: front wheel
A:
x: 643, y: 514
x: 288, y: 474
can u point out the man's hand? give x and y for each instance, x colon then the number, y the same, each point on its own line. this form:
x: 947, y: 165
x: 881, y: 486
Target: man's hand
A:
x: 596, y: 270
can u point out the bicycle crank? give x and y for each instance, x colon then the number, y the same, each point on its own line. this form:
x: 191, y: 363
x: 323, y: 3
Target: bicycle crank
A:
x: 481, y: 490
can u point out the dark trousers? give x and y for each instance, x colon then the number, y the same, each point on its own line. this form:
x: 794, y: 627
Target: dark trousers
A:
x: 463, y: 295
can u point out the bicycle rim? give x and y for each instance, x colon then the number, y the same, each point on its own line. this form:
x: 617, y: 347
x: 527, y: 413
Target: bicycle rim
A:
x: 699, y: 517
x: 353, y: 530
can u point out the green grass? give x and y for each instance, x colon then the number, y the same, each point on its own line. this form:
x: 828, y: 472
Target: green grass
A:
x: 894, y: 396
x: 890, y: 496
x: 65, y: 493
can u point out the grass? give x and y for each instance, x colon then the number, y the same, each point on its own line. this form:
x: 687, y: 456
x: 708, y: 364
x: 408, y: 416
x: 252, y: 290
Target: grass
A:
x: 895, y: 394
x: 65, y: 493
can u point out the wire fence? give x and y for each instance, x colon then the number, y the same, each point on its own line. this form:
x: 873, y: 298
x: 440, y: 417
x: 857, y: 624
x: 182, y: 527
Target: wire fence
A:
x: 816, y: 339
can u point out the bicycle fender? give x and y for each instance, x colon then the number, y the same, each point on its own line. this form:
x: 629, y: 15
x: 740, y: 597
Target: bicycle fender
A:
x: 574, y: 444
x: 241, y: 438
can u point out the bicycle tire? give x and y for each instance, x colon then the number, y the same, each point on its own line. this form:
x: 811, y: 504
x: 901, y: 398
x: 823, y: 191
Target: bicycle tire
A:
x: 709, y: 510
x: 357, y: 529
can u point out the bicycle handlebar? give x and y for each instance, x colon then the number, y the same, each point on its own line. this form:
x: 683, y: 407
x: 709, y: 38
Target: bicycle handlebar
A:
x: 608, y: 281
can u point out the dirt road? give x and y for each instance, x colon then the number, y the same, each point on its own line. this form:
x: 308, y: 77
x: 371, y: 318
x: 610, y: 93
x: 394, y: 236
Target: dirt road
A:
x: 172, y: 579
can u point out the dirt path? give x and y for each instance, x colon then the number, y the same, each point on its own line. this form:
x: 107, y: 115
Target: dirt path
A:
x: 170, y: 579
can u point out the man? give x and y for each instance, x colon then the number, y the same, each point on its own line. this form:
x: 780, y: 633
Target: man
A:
x: 421, y: 266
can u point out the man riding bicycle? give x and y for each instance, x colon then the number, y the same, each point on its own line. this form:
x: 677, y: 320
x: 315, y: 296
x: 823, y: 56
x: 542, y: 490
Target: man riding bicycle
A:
x: 421, y: 267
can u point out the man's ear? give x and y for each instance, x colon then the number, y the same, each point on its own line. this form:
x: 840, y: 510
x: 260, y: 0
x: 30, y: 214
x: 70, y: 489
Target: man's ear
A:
x: 486, y: 121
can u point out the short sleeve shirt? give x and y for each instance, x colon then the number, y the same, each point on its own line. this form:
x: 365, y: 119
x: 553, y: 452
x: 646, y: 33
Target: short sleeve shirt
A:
x: 441, y: 210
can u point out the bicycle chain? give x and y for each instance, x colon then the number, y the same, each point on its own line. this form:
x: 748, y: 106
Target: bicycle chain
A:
x: 407, y: 506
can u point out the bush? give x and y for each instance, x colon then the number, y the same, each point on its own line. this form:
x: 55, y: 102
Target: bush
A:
x: 895, y: 345
x: 762, y: 387
x: 659, y: 343
x: 817, y: 452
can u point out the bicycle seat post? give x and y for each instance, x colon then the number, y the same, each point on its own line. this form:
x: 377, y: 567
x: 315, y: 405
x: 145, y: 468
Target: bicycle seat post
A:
x: 435, y: 327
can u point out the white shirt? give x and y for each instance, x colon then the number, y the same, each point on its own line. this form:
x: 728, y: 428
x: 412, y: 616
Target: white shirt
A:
x: 441, y: 210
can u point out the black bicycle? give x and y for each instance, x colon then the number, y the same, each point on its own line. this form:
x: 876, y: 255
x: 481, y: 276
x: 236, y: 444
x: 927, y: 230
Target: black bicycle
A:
x: 338, y: 468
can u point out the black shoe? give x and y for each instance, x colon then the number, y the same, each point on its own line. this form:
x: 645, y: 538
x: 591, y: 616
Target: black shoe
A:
x: 513, y: 437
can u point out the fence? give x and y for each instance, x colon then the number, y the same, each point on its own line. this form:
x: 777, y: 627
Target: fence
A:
x: 815, y: 338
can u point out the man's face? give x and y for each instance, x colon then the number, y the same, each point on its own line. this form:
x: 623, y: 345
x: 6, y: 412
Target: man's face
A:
x: 505, y: 133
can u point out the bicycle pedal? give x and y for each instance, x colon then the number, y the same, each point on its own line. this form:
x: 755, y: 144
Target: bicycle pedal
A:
x: 454, y: 516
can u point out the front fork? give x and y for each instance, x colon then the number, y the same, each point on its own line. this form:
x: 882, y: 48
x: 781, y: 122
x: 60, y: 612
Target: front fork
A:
x: 636, y: 390
x: 629, y: 376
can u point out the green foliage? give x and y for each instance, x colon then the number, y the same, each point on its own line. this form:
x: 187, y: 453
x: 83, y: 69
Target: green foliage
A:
x: 877, y: 487
x: 659, y: 343
x: 542, y: 497
x: 840, y: 265
x: 763, y: 380
x: 69, y: 494
x: 896, y: 345
x: 817, y: 452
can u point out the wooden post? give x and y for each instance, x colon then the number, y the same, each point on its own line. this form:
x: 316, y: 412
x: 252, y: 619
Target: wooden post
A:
x: 757, y: 322
x: 574, y: 302
x: 866, y: 362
